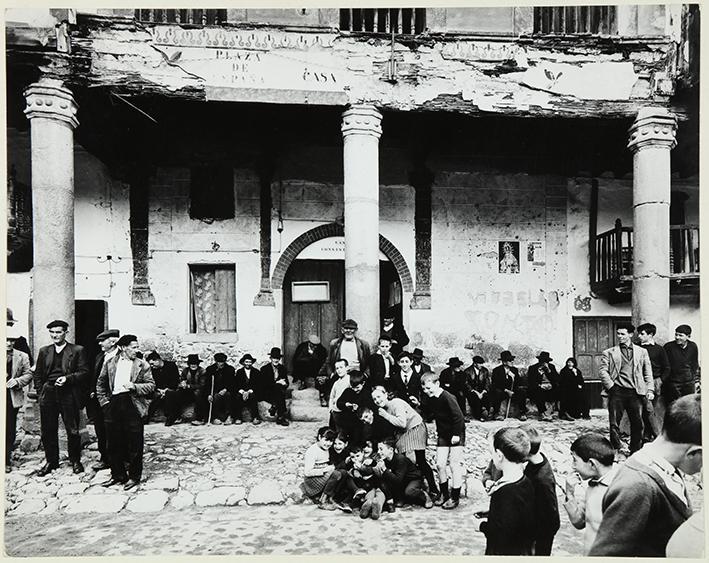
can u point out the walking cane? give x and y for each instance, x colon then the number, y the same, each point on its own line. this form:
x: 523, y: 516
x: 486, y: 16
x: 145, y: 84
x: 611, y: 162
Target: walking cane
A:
x: 211, y: 403
x: 509, y: 402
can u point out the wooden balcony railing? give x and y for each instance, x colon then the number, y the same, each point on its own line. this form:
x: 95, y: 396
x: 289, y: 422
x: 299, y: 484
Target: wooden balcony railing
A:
x: 407, y: 21
x: 575, y: 20
x: 612, y: 256
x: 190, y: 17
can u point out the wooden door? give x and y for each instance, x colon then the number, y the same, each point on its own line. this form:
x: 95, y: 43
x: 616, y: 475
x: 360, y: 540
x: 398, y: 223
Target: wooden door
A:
x: 592, y: 335
x: 303, y: 318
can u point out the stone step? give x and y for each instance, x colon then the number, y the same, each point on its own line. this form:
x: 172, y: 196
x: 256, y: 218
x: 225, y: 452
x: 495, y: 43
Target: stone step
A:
x: 308, y: 395
x: 308, y: 413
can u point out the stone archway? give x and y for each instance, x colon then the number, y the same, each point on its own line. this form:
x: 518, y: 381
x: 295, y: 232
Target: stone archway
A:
x: 337, y: 230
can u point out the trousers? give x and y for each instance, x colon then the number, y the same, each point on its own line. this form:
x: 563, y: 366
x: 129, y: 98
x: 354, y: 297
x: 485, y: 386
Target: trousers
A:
x: 53, y: 403
x: 125, y: 428
x: 622, y: 400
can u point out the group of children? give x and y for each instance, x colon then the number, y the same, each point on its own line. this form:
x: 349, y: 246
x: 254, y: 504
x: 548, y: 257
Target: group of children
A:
x: 523, y: 514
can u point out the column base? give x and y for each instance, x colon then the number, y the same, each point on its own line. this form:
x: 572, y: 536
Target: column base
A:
x: 142, y: 296
x: 421, y: 300
x: 264, y: 299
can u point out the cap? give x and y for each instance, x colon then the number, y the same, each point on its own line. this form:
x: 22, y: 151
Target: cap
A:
x: 110, y: 333
x: 313, y: 339
x: 349, y: 323
x: 58, y: 323
x: 126, y: 339
x: 220, y: 357
x: 153, y: 356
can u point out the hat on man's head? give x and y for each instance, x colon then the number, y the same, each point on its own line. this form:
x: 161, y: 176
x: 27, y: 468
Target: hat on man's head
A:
x: 544, y: 357
x: 220, y: 357
x: 12, y: 333
x: 110, y: 333
x: 246, y: 357
x: 684, y: 329
x: 275, y: 353
x: 153, y: 356
x: 126, y: 339
x: 478, y: 360
x: 349, y: 323
x: 454, y: 362
x: 10, y: 319
x: 389, y: 313
x: 314, y: 339
x: 193, y: 359
x: 417, y: 354
x: 506, y: 356
x: 60, y: 324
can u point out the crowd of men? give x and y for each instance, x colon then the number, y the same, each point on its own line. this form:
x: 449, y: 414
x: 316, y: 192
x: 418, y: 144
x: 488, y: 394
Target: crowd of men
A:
x: 379, y: 403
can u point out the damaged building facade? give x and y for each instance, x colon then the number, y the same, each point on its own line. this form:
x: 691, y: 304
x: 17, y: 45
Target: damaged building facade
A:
x: 232, y: 180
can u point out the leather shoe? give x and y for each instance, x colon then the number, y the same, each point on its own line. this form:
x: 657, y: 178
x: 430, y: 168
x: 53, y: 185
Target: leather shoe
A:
x: 131, y: 484
x: 112, y: 482
x: 46, y: 469
x: 100, y: 466
x: 77, y: 467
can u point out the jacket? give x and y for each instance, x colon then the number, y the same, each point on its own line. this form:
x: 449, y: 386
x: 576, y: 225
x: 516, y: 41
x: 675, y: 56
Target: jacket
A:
x: 404, y: 391
x: 74, y: 366
x: 376, y: 369
x: 306, y: 364
x: 535, y: 377
x: 479, y: 382
x: 363, y: 353
x: 22, y: 374
x: 254, y: 382
x: 642, y: 369
x: 140, y: 375
x: 640, y: 514
x: 500, y: 381
x: 399, y: 339
x: 195, y: 380
x: 271, y: 376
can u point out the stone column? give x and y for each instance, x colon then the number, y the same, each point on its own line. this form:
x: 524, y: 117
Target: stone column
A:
x: 361, y: 129
x: 52, y: 110
x: 652, y: 137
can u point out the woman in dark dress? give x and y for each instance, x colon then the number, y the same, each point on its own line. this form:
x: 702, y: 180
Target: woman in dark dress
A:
x: 572, y: 399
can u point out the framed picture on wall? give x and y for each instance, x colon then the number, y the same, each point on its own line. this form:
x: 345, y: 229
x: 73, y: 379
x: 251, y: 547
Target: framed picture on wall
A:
x: 508, y: 253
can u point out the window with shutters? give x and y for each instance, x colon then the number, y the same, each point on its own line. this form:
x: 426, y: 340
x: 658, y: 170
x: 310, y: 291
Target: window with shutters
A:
x: 575, y: 20
x: 212, y: 298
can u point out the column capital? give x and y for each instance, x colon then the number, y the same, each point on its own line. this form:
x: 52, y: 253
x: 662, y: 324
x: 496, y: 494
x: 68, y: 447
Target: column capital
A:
x: 362, y: 119
x: 653, y: 127
x: 51, y: 100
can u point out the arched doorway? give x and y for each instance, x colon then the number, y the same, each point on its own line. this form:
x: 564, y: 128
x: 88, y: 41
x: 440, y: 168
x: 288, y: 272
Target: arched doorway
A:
x: 311, y: 273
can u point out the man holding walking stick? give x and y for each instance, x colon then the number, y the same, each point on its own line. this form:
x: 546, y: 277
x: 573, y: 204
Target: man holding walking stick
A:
x: 507, y: 384
x: 214, y: 390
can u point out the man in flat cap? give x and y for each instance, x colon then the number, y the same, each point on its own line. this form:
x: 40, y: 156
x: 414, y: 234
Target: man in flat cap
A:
x: 107, y: 341
x: 59, y: 379
x: 308, y: 358
x: 124, y: 388
x: 349, y: 347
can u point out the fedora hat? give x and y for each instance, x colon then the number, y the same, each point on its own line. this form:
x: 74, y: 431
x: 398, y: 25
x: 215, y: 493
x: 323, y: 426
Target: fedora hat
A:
x: 417, y: 353
x: 193, y: 359
x: 544, y: 357
x: 454, y: 362
x: 275, y: 352
x: 506, y: 356
x: 220, y: 357
x: 246, y: 357
x: 478, y: 360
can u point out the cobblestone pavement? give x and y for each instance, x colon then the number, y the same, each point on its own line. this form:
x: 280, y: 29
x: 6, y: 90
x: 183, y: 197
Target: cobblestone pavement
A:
x: 241, y: 484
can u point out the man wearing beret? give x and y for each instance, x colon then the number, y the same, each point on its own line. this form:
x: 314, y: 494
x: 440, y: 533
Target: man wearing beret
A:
x: 349, y: 347
x: 107, y: 340
x: 59, y: 379
x: 124, y: 388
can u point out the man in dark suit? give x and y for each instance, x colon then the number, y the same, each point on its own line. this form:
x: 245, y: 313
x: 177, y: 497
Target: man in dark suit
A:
x: 420, y: 367
x: 124, y: 388
x: 308, y: 358
x: 406, y: 382
x: 167, y: 380
x: 249, y: 390
x: 107, y: 341
x: 382, y: 365
x: 507, y: 384
x: 275, y: 385
x: 543, y: 383
x: 60, y: 379
x: 452, y: 379
x: 395, y: 332
x: 477, y: 388
x: 223, y: 377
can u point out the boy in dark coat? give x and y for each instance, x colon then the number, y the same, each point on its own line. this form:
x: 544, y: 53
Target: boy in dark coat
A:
x: 351, y: 403
x: 546, y: 505
x: 401, y: 479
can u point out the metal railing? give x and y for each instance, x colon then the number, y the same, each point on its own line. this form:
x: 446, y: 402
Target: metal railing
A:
x: 406, y: 21
x: 189, y: 17
x: 575, y: 20
x: 684, y: 249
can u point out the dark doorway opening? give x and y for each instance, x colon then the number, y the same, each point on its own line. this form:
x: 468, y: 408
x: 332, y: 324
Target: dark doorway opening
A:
x: 91, y: 320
